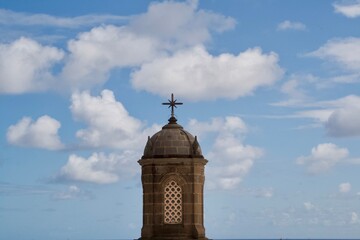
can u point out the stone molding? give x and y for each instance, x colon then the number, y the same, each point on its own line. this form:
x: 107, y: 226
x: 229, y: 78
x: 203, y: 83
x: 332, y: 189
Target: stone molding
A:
x: 170, y: 161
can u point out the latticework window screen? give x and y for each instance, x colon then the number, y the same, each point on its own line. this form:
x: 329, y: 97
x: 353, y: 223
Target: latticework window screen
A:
x: 172, y: 203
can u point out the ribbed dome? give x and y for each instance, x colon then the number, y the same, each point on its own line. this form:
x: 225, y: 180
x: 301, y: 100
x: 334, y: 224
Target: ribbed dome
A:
x: 172, y: 141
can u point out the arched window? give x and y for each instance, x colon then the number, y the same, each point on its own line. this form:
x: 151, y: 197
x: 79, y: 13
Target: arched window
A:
x: 172, y: 203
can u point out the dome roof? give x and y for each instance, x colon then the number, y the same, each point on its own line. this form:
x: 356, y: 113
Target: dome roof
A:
x: 172, y: 141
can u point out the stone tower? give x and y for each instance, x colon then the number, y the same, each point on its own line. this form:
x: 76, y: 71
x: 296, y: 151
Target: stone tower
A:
x: 173, y: 183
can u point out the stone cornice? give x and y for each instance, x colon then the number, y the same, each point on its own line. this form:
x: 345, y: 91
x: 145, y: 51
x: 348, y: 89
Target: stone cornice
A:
x: 166, y: 161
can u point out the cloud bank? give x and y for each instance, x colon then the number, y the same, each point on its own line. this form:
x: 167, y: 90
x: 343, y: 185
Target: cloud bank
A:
x: 90, y: 57
x: 161, y: 56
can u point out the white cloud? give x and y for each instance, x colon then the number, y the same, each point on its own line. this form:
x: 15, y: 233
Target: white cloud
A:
x: 25, y: 66
x: 43, y: 133
x: 309, y: 206
x: 294, y: 89
x: 228, y: 124
x: 8, y: 17
x: 188, y: 26
x: 93, y: 54
x: 109, y: 123
x: 343, y: 122
x: 99, y: 168
x: 289, y: 25
x: 354, y: 218
x: 291, y: 87
x: 231, y: 160
x: 197, y: 75
x: 320, y: 115
x: 350, y: 9
x: 323, y: 157
x: 344, y: 187
x: 345, y: 52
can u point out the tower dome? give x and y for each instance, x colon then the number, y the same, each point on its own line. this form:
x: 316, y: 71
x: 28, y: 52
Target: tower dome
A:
x: 172, y: 141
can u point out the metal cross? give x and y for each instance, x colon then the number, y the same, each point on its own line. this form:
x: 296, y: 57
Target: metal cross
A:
x: 172, y: 103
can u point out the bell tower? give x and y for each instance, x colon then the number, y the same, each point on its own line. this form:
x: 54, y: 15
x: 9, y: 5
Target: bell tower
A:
x: 172, y: 174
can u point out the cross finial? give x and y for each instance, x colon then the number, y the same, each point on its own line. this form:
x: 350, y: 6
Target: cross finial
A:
x: 172, y: 103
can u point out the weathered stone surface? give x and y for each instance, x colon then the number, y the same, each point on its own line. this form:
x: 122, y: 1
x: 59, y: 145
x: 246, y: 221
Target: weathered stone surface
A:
x: 172, y: 141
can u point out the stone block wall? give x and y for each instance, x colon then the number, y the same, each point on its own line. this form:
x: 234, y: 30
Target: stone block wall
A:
x: 188, y: 173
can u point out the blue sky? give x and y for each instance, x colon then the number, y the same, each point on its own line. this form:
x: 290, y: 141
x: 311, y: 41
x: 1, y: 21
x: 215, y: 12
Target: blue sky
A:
x: 271, y: 89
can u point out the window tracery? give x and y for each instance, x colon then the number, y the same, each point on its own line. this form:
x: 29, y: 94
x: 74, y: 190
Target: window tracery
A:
x: 172, y: 203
